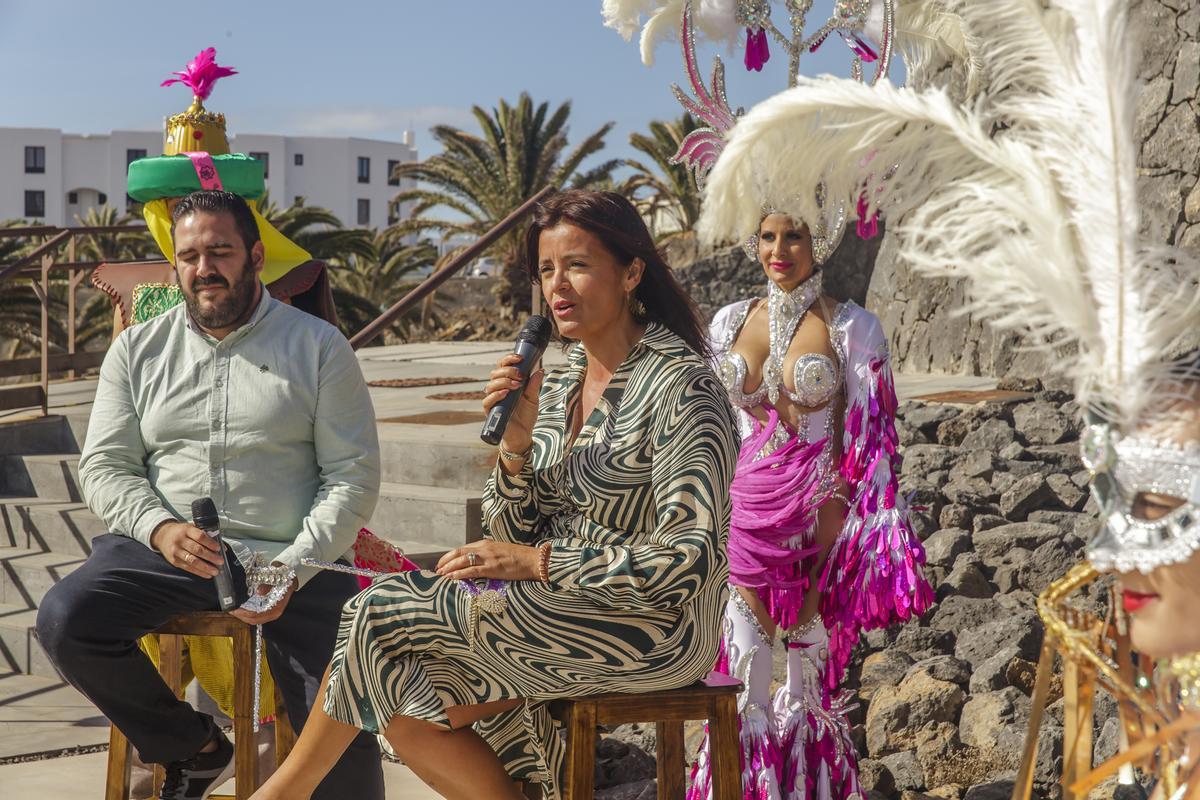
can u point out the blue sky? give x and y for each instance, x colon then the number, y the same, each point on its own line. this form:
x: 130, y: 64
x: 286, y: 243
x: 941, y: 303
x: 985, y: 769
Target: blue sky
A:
x: 345, y: 68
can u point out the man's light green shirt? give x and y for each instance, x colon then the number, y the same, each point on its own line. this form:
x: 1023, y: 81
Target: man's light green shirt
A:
x: 274, y: 423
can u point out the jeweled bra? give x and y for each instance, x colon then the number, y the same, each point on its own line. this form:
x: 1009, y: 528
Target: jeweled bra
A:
x: 816, y: 376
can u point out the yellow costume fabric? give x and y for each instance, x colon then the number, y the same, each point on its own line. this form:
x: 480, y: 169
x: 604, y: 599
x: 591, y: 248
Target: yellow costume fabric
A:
x: 209, y: 659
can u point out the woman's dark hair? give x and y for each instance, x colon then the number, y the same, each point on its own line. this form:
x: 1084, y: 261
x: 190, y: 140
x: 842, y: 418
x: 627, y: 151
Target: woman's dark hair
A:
x: 616, y: 223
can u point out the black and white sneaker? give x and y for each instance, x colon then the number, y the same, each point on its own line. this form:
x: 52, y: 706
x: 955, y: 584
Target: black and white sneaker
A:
x: 196, y: 777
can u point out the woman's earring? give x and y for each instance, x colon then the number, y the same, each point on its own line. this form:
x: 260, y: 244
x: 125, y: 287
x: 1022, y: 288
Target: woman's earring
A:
x: 636, y: 306
x: 751, y: 247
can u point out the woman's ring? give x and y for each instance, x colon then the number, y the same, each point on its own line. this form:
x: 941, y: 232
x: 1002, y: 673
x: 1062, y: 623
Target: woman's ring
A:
x: 190, y: 558
x: 472, y: 558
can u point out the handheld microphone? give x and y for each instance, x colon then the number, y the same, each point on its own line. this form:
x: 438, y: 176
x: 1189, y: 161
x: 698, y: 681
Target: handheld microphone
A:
x: 531, y: 343
x: 204, y: 517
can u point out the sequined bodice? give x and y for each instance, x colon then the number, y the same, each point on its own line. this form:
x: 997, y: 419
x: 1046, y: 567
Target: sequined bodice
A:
x: 815, y: 376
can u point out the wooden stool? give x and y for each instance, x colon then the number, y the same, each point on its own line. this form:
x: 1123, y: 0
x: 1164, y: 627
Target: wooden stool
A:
x: 713, y: 699
x: 208, y: 623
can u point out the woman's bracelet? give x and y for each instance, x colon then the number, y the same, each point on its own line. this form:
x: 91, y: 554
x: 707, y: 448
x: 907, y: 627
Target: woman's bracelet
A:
x: 508, y: 455
x: 543, y: 571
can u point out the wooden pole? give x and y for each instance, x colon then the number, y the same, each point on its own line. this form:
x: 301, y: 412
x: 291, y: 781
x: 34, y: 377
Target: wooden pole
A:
x: 73, y: 277
x: 374, y: 329
x: 44, y: 296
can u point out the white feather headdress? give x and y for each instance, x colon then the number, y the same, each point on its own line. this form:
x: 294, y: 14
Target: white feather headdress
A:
x: 1029, y: 191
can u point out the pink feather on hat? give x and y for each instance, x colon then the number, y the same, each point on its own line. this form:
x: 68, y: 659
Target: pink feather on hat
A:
x: 201, y: 73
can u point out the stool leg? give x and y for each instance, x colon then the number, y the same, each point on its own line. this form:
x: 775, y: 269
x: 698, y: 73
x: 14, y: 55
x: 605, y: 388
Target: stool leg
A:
x: 285, y: 736
x: 116, y: 783
x: 245, y: 749
x: 723, y: 746
x: 670, y: 758
x: 581, y: 751
x: 170, y: 666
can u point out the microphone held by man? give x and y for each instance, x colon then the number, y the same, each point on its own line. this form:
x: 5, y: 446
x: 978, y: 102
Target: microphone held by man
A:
x: 204, y: 517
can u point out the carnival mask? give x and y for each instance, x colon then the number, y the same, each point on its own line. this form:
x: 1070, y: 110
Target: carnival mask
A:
x: 1122, y: 468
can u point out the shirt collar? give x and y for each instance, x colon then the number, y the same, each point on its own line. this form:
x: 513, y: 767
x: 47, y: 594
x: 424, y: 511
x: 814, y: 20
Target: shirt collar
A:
x: 656, y: 337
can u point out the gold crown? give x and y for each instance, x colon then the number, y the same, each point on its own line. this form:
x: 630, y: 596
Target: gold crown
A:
x: 196, y: 129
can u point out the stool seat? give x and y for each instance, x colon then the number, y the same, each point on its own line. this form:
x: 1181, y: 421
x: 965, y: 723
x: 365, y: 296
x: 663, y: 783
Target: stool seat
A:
x: 714, y: 698
x: 171, y: 633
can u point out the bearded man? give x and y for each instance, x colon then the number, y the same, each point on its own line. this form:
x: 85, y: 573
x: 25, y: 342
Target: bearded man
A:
x: 238, y: 397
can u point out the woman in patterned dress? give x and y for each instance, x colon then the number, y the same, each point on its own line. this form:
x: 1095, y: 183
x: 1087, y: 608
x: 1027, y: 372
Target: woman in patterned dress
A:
x: 820, y: 545
x: 606, y: 521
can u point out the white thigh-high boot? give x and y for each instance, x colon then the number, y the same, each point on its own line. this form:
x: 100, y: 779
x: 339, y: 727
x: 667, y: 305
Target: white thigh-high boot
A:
x: 746, y: 655
x: 819, y: 760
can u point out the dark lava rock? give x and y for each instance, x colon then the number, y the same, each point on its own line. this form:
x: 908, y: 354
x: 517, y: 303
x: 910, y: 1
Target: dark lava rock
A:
x: 1027, y: 494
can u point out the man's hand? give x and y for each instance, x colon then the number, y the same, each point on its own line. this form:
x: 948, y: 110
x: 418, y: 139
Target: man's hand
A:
x: 187, y: 547
x: 270, y: 615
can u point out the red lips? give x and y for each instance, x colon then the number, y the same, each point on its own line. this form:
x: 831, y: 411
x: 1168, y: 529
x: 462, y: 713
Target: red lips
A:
x: 1133, y: 601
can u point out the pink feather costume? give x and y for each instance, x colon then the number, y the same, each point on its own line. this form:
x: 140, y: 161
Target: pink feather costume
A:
x: 800, y: 746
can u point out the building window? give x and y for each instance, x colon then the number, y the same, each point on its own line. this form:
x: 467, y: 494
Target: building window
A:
x: 298, y: 159
x: 364, y: 169
x: 102, y: 199
x: 265, y: 158
x: 393, y: 179
x: 35, y: 159
x: 132, y: 154
x: 35, y: 203
x: 72, y: 198
x: 364, y: 211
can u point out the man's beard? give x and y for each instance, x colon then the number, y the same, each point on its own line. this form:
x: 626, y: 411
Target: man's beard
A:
x: 223, y: 312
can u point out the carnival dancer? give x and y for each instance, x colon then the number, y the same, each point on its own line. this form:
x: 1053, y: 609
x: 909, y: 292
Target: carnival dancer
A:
x: 820, y: 543
x: 603, y: 567
x: 1030, y: 193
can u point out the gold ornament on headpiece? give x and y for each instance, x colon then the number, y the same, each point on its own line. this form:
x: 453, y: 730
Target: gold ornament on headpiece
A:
x: 198, y: 129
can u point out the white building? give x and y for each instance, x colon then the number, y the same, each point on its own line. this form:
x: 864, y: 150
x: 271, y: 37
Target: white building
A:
x: 50, y: 177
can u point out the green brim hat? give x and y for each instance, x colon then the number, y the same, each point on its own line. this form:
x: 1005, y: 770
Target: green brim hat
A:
x: 176, y: 176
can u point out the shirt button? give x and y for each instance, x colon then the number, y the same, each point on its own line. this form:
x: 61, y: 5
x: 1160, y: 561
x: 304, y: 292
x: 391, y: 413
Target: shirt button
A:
x: 216, y: 424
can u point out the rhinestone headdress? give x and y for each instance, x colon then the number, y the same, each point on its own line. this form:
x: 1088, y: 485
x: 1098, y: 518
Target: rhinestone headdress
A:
x: 867, y: 26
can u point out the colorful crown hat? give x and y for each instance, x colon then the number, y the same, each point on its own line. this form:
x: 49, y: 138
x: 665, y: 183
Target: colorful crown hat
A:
x: 198, y: 128
x: 196, y: 156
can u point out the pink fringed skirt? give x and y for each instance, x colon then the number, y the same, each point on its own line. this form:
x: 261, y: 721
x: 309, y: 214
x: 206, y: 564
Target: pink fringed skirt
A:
x: 772, y: 543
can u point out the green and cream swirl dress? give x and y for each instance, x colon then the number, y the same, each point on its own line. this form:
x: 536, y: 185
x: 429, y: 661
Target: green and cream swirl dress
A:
x: 637, y: 508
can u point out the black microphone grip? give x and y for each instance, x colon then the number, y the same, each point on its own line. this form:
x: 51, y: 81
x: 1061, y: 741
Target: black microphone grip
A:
x: 204, y: 517
x: 497, y: 419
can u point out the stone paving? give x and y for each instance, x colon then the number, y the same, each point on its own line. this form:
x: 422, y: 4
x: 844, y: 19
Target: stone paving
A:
x: 41, y: 716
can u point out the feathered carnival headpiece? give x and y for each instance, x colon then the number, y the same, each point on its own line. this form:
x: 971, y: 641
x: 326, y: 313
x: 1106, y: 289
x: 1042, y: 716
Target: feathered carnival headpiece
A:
x: 1028, y: 191
x: 197, y: 128
x: 196, y: 156
x: 923, y: 29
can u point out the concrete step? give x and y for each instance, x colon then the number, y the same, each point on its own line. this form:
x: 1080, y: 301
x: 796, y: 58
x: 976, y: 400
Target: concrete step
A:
x: 46, y: 476
x: 26, y: 574
x: 49, y: 526
x: 435, y: 455
x: 432, y: 514
x: 19, y: 646
x: 52, y: 434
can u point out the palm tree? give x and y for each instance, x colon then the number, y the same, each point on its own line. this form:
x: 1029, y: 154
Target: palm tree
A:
x: 319, y: 231
x: 365, y: 287
x: 481, y: 179
x: 123, y: 246
x: 20, y: 310
x: 667, y: 196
